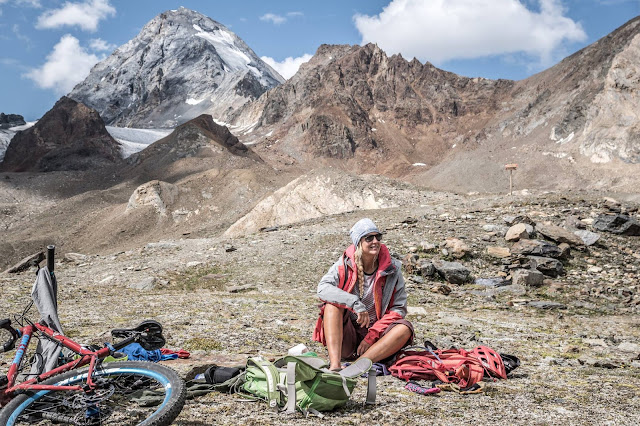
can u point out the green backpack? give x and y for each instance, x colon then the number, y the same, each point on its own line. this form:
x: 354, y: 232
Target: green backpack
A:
x: 316, y: 388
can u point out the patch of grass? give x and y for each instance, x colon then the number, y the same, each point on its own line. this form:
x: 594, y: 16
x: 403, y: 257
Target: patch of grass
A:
x: 287, y: 334
x: 209, y: 277
x: 203, y: 344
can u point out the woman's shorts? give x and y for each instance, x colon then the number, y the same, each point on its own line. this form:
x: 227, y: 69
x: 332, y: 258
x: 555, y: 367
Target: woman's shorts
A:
x: 353, y: 334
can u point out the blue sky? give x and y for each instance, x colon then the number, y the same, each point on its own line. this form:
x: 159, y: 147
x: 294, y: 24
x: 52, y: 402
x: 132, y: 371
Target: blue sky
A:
x: 49, y: 45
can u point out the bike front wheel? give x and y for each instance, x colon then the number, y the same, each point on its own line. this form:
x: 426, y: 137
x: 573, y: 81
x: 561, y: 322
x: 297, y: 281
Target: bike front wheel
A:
x: 127, y: 393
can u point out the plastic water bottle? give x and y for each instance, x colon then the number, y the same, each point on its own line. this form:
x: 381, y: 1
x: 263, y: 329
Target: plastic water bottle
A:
x: 298, y: 350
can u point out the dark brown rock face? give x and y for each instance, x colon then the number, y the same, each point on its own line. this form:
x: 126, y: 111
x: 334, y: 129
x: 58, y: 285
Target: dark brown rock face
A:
x: 70, y: 136
x: 10, y: 120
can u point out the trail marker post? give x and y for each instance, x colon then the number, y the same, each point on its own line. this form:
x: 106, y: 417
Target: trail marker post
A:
x: 511, y: 168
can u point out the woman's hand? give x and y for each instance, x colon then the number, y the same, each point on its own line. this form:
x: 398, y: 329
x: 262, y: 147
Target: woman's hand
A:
x: 363, y: 319
x: 362, y: 348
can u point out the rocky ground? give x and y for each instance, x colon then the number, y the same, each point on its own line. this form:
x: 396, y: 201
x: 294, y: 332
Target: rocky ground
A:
x: 224, y: 299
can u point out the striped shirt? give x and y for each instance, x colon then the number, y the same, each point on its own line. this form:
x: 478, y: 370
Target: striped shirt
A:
x: 367, y: 299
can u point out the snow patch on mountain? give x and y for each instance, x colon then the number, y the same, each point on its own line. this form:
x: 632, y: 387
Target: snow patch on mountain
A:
x: 135, y: 140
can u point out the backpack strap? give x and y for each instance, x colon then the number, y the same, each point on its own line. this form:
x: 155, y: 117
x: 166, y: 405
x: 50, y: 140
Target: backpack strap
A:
x: 290, y: 408
x: 371, y: 388
x: 271, y: 374
x: 343, y: 273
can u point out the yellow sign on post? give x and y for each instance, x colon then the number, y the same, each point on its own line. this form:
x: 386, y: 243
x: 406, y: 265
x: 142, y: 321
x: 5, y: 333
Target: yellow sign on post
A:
x: 511, y: 168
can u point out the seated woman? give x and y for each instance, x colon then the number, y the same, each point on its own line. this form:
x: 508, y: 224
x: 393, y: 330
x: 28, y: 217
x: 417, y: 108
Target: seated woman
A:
x: 364, y: 301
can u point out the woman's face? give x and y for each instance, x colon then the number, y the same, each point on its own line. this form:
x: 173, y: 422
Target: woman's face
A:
x: 371, y: 248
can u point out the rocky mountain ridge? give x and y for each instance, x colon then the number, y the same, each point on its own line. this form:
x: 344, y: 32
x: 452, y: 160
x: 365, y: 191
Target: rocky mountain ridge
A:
x: 181, y: 64
x: 352, y: 106
x: 70, y: 136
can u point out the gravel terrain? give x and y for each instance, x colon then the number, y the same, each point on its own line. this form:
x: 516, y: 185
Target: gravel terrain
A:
x: 226, y: 299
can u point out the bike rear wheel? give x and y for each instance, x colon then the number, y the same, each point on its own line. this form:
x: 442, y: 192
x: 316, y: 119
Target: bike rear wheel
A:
x: 127, y: 393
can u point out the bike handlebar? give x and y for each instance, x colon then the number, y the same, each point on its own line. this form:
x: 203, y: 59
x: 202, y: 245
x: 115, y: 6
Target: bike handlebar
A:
x: 11, y: 343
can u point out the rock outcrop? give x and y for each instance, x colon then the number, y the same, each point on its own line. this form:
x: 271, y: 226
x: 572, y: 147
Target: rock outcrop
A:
x: 11, y: 120
x: 193, y: 147
x: 70, y: 136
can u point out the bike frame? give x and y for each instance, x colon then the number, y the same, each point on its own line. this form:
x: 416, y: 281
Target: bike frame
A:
x: 86, y: 357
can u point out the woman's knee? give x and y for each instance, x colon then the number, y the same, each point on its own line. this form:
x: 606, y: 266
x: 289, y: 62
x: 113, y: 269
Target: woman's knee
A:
x: 330, y: 309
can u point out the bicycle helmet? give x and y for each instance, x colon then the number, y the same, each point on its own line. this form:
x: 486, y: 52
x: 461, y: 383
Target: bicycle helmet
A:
x: 491, y: 361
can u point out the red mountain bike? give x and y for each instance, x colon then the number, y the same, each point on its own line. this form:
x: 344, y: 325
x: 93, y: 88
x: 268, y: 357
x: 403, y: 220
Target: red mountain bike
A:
x: 118, y: 393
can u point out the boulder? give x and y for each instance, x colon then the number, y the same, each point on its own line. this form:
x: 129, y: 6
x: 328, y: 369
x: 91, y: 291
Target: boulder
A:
x: 148, y: 283
x: 520, y: 231
x: 612, y: 204
x: 499, y: 252
x: 565, y: 251
x: 527, y: 278
x: 536, y: 248
x: 457, y: 247
x: 559, y: 234
x: 156, y: 194
x: 452, y: 272
x: 548, y: 266
x: 497, y: 229
x: 588, y: 238
x: 426, y: 268
x: 410, y: 263
x: 26, y: 263
x: 617, y: 224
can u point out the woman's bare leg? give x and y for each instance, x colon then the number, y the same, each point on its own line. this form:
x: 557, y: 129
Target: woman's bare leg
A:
x: 388, y: 344
x: 333, y: 333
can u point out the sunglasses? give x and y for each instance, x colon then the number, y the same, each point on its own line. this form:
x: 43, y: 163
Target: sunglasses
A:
x: 370, y: 238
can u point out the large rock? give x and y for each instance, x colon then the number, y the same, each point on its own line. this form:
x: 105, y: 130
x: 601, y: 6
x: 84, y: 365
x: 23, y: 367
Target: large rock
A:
x: 548, y: 266
x: 156, y: 194
x: 617, y: 224
x: 527, y: 278
x: 70, y: 136
x: 499, y: 252
x: 588, y: 238
x: 520, y: 231
x: 536, y: 248
x: 457, y: 247
x: 559, y: 234
x: 452, y: 272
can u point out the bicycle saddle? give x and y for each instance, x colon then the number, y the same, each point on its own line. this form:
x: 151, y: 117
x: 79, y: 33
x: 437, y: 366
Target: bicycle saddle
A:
x: 148, y: 334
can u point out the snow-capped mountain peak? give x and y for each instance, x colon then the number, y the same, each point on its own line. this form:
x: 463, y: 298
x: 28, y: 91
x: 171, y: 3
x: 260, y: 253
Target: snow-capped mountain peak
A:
x: 180, y: 65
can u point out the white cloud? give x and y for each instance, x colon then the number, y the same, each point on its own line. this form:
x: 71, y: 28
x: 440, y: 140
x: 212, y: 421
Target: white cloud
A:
x: 289, y: 66
x: 272, y: 17
x: 294, y: 14
x: 85, y: 15
x: 99, y: 45
x: 441, y: 30
x: 68, y: 64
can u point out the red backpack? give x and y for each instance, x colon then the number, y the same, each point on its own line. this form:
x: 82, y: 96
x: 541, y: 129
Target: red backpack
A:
x: 449, y: 366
